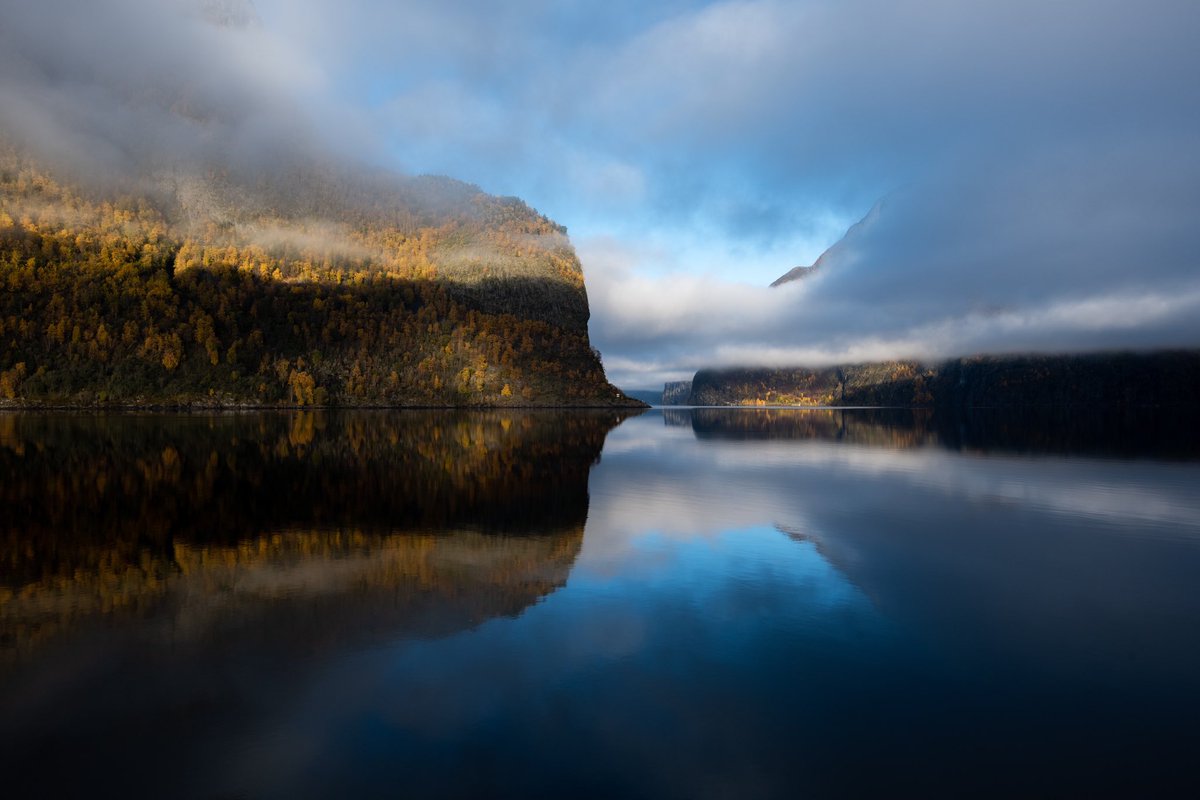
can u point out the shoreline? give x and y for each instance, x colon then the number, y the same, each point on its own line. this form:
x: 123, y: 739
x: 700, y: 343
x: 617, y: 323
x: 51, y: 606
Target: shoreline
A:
x: 18, y: 407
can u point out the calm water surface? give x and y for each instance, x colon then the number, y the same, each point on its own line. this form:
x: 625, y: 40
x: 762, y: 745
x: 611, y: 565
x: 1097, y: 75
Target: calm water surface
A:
x: 735, y: 603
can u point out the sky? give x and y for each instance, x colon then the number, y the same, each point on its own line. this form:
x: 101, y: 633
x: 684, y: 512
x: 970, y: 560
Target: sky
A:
x: 1036, y: 165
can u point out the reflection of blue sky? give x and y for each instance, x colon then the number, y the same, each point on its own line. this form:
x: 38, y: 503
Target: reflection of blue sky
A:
x: 667, y: 479
x: 692, y: 631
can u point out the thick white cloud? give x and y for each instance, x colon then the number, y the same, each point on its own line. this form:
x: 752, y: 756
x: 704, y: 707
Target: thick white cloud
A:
x: 130, y: 86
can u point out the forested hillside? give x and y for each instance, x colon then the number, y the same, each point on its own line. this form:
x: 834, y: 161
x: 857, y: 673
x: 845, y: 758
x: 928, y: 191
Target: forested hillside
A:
x: 1094, y: 379
x: 310, y: 288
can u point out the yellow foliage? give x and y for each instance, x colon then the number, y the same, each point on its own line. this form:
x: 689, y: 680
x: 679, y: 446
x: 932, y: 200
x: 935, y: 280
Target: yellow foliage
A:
x: 121, y: 304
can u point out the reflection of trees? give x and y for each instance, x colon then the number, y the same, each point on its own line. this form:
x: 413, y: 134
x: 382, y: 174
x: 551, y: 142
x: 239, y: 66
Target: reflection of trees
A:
x: 122, y: 513
x: 1124, y: 432
x: 874, y: 427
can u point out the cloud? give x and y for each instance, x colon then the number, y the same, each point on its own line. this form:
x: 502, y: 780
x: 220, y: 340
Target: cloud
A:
x: 1041, y: 185
x: 1088, y: 251
x: 130, y: 87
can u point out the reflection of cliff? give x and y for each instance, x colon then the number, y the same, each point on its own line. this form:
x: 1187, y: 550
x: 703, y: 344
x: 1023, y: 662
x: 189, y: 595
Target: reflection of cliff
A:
x: 877, y: 427
x: 1122, y: 432
x: 677, y: 393
x: 410, y: 519
x: 676, y: 418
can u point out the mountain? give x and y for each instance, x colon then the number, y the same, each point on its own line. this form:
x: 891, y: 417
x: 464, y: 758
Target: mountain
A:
x: 318, y: 283
x: 834, y: 251
x: 677, y: 393
x: 1098, y: 379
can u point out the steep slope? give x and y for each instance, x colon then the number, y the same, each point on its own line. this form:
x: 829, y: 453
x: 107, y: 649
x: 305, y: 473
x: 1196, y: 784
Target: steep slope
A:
x: 677, y: 393
x: 310, y: 284
x: 832, y: 252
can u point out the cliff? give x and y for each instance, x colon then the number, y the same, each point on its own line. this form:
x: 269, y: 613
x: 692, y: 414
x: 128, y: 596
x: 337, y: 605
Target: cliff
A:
x: 677, y: 393
x: 311, y: 285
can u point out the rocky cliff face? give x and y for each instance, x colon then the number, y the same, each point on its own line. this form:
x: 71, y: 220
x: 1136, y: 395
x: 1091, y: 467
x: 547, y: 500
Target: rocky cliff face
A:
x: 677, y: 393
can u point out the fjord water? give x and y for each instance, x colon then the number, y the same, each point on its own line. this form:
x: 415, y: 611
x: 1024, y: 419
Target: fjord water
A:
x: 708, y: 603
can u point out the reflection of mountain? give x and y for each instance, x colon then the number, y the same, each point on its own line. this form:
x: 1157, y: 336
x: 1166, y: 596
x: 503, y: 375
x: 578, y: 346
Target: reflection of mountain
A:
x: 1128, y: 433
x: 675, y: 418
x: 880, y: 427
x: 1117, y: 380
x: 398, y: 521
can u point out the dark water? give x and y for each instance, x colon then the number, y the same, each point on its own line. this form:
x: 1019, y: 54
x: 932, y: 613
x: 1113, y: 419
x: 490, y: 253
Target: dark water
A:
x: 743, y: 603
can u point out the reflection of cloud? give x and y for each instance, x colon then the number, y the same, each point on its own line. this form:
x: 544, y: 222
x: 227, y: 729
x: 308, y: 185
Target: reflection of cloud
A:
x: 672, y: 483
x: 1045, y: 561
x: 603, y: 653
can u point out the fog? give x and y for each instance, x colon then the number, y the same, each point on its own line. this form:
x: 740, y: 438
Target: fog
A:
x: 127, y: 89
x: 1037, y: 163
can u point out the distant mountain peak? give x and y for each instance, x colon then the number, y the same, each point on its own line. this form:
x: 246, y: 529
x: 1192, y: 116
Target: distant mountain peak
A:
x: 797, y: 273
x: 801, y: 273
